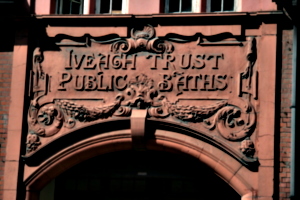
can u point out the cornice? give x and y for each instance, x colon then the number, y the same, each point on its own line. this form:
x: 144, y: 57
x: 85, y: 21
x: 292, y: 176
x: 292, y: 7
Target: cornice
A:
x: 224, y: 18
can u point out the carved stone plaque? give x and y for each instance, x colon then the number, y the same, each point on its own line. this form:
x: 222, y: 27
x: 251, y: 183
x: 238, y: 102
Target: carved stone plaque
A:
x: 207, y: 82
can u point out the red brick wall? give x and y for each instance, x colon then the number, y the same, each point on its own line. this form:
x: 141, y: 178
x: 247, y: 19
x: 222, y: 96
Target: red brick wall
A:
x: 285, y: 115
x: 5, y: 79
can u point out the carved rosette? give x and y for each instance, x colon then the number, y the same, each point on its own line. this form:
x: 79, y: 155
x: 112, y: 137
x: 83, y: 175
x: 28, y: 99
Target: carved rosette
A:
x: 142, y: 40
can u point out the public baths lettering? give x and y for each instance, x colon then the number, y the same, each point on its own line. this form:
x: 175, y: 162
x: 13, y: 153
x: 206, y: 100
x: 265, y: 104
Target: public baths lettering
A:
x: 179, y: 73
x: 114, y: 77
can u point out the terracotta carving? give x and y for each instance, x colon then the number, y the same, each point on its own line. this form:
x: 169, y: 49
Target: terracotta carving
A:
x: 249, y: 77
x: 247, y: 147
x: 32, y: 142
x: 44, y: 121
x: 142, y: 40
x: 195, y: 113
x: 230, y: 124
x: 141, y: 94
x: 251, y: 57
x: 84, y: 114
x: 143, y: 72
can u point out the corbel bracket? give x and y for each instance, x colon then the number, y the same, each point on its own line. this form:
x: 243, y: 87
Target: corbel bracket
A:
x: 138, y: 123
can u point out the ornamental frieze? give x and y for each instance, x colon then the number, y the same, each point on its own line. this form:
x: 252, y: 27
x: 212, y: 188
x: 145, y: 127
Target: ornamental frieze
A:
x: 208, y: 83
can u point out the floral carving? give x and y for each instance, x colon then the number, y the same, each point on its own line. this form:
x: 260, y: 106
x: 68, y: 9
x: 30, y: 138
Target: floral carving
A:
x: 232, y: 122
x: 140, y: 92
x: 195, y: 113
x: 32, y: 142
x: 142, y: 40
x: 123, y: 111
x: 85, y: 114
x: 247, y: 147
x: 43, y: 121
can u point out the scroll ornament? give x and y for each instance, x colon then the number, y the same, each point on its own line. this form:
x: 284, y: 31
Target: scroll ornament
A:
x: 142, y: 40
x: 43, y: 121
x: 232, y: 122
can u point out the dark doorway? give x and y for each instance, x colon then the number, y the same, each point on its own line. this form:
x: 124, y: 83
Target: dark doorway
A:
x: 142, y: 175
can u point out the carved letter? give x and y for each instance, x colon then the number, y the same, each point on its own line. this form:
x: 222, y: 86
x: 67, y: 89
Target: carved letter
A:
x: 117, y: 82
x: 111, y: 85
x: 90, y: 83
x: 116, y: 61
x: 194, y: 80
x: 104, y: 61
x: 198, y: 63
x: 90, y: 64
x: 70, y: 60
x: 100, y: 82
x: 222, y: 83
x: 65, y: 78
x: 129, y: 61
x: 73, y: 58
x: 185, y: 61
x: 216, y: 56
x: 207, y: 80
x: 79, y: 83
x: 168, y: 60
x: 166, y: 84
x: 183, y: 81
x: 155, y: 60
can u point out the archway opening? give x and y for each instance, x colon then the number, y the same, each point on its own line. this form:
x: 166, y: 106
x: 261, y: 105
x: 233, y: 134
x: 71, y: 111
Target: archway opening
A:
x: 139, y: 175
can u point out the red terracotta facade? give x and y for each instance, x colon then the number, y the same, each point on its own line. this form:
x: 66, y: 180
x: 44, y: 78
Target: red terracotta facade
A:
x: 212, y: 86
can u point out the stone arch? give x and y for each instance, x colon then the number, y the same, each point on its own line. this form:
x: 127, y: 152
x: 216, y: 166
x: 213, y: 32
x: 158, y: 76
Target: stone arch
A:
x: 224, y: 165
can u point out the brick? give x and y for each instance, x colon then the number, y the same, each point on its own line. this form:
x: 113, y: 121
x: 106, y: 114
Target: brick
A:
x: 5, y: 79
x: 285, y: 121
